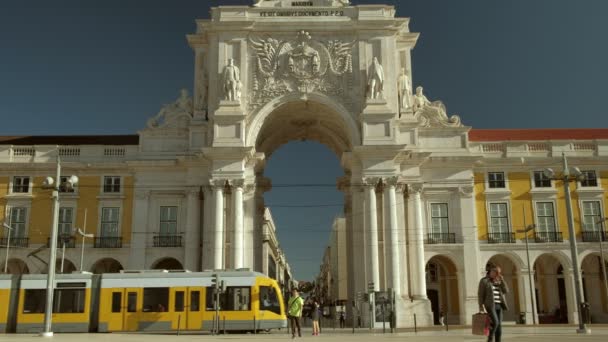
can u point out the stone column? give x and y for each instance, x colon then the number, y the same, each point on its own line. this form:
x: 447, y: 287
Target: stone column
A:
x: 570, y: 294
x: 372, y: 229
x: 139, y: 231
x: 401, y: 234
x: 237, y: 195
x: 390, y: 208
x: 470, y: 242
x: 193, y: 230
x: 218, y: 224
x: 523, y: 284
x: 417, y: 241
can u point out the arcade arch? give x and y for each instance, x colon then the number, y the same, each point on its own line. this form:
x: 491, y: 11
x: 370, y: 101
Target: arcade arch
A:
x: 593, y: 287
x: 167, y: 264
x: 106, y: 265
x: 443, y: 289
x: 16, y: 266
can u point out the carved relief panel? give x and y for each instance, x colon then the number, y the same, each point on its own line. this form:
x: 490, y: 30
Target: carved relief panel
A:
x: 299, y: 63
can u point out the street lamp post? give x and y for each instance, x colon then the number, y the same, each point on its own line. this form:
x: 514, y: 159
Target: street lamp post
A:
x: 54, y: 184
x: 8, y: 245
x: 530, y: 270
x: 565, y: 178
x: 602, y: 234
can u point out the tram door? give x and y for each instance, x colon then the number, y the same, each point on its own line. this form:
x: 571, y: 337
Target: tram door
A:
x: 124, y: 310
x: 187, y: 308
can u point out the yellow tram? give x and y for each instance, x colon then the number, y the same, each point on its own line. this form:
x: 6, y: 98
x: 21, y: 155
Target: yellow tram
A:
x: 142, y: 301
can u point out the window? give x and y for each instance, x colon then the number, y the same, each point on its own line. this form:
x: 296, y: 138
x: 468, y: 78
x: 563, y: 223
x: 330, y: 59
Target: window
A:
x: 116, y: 301
x: 179, y: 301
x: 67, y: 298
x: 111, y: 184
x: 168, y: 220
x: 132, y: 302
x: 499, y: 219
x: 195, y: 301
x: 590, y: 178
x: 496, y: 180
x: 18, y: 218
x: 592, y: 215
x: 65, y: 220
x: 269, y: 299
x: 156, y: 299
x: 546, y: 217
x: 109, y: 222
x: 233, y: 299
x: 439, y: 218
x: 541, y: 181
x: 21, y: 184
x: 62, y: 185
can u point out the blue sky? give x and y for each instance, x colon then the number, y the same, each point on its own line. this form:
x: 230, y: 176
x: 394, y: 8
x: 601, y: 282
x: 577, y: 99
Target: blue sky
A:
x: 104, y: 67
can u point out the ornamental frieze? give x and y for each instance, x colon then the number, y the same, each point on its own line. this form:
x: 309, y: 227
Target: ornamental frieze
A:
x: 299, y: 65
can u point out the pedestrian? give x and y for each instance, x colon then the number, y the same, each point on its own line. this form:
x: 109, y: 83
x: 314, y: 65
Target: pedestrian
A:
x: 342, y: 319
x: 441, y: 318
x: 316, y: 314
x: 294, y: 312
x: 491, y: 299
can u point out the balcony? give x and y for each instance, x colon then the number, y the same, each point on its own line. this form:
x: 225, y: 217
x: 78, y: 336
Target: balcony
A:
x: 542, y: 237
x: 595, y: 236
x: 435, y: 238
x: 108, y: 242
x: 167, y: 240
x: 68, y: 240
x: 15, y: 242
x: 501, y: 237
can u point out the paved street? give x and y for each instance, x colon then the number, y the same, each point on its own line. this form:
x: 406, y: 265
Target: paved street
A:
x: 519, y: 334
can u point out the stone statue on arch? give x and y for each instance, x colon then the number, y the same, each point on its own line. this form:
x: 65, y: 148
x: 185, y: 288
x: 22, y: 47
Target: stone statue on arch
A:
x: 232, y: 81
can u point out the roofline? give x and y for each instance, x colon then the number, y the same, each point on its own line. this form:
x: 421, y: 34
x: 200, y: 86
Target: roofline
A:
x: 542, y: 134
x: 70, y: 140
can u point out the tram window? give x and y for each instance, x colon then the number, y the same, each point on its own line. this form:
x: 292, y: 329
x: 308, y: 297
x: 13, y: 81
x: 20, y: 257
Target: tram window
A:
x: 132, y: 302
x: 68, y: 301
x: 210, y: 300
x: 179, y: 301
x: 116, y: 299
x: 238, y: 298
x: 195, y: 300
x: 34, y: 302
x: 156, y: 299
x: 269, y: 299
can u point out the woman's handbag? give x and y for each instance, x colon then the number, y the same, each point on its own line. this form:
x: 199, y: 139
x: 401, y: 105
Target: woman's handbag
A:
x: 481, y: 324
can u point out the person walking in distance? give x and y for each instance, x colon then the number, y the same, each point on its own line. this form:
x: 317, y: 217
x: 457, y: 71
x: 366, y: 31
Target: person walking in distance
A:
x: 316, y: 314
x: 491, y: 299
x: 342, y: 319
x: 294, y: 312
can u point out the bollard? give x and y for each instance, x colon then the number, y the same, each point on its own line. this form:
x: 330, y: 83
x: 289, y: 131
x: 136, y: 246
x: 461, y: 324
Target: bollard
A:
x: 415, y: 327
x: 254, y: 326
x: 224, y: 325
x: 213, y: 327
x: 179, y: 318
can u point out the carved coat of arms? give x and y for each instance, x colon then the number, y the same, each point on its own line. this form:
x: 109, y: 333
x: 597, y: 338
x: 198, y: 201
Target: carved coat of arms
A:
x: 302, y: 65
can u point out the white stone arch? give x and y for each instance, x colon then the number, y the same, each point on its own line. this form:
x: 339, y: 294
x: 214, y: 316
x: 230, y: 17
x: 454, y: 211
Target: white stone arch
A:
x: 588, y: 252
x: 255, y: 126
x: 452, y: 257
x: 513, y: 257
x: 561, y: 256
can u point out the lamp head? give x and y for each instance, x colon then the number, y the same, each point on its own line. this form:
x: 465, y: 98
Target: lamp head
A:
x: 71, y: 182
x: 578, y: 174
x: 549, y: 173
x: 48, y: 182
x: 5, y: 225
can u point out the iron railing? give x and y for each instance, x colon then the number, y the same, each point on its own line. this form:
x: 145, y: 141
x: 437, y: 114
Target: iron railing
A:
x: 548, y: 237
x: 15, y: 242
x: 595, y: 236
x: 434, y: 238
x: 70, y: 241
x: 108, y: 242
x: 167, y: 240
x: 501, y: 237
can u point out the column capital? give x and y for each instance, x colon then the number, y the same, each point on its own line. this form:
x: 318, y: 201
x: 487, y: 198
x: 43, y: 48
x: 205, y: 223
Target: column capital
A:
x: 237, y: 183
x: 193, y: 191
x: 391, y: 181
x: 414, y: 188
x: 370, y: 181
x: 217, y: 183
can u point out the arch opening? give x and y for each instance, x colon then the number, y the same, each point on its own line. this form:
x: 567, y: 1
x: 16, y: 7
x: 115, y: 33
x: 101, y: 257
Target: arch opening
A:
x: 106, y: 265
x: 594, y: 289
x: 512, y: 276
x: 167, y: 264
x: 15, y: 266
x: 443, y: 290
x: 551, y: 290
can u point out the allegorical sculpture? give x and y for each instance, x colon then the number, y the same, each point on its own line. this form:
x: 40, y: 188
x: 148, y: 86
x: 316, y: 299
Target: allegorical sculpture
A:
x: 405, y: 92
x: 182, y: 107
x: 232, y: 81
x: 432, y: 113
x: 375, y: 80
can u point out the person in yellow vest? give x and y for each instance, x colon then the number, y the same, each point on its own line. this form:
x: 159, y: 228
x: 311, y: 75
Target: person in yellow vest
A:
x: 294, y: 312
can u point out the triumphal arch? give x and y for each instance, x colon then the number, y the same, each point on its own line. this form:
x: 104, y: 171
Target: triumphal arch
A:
x: 327, y: 71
